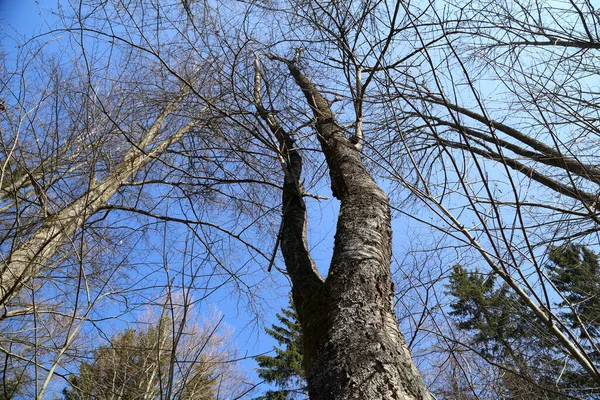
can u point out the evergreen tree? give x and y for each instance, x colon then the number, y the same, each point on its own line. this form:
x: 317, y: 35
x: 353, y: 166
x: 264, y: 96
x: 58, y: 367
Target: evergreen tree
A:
x: 506, y: 331
x: 136, y: 365
x: 285, y: 368
x: 502, y: 328
x: 494, y: 315
x: 575, y: 271
x: 126, y: 368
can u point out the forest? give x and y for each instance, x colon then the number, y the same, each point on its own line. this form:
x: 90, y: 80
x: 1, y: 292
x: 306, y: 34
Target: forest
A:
x: 293, y: 199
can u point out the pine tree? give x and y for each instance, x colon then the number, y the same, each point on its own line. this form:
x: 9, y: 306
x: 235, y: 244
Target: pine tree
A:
x: 285, y: 368
x: 136, y: 364
x: 575, y: 271
x: 507, y: 332
x: 494, y: 315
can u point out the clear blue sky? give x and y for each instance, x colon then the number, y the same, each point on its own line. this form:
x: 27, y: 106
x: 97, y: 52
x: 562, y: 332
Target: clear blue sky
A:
x: 22, y: 16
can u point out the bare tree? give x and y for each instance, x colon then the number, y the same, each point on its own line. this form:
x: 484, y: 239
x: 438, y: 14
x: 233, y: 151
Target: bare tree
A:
x: 100, y: 169
x: 428, y: 108
x: 500, y: 130
x: 342, y: 360
x: 475, y: 122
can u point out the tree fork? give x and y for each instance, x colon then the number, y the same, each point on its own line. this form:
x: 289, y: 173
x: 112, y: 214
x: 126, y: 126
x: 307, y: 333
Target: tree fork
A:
x: 353, y: 346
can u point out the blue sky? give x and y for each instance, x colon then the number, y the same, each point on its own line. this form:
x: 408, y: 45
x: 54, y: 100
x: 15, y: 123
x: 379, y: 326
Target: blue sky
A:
x: 21, y: 16
x: 22, y: 19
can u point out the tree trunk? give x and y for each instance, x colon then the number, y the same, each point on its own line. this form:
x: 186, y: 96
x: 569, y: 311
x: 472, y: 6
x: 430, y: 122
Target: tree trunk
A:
x: 353, y: 348
x: 36, y: 252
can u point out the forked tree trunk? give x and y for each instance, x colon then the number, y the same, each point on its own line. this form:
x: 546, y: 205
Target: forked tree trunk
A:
x: 353, y: 348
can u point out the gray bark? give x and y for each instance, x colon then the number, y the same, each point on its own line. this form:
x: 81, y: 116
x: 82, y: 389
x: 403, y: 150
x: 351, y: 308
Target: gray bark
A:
x: 36, y: 252
x: 353, y: 348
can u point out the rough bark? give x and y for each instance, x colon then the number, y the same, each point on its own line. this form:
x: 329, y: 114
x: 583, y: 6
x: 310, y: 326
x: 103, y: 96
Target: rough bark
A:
x: 353, y: 348
x: 36, y: 252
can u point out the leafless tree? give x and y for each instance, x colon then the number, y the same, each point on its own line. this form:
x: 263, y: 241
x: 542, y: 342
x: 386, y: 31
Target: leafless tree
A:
x: 474, y: 124
x: 499, y: 123
x: 101, y: 166
x: 486, y: 116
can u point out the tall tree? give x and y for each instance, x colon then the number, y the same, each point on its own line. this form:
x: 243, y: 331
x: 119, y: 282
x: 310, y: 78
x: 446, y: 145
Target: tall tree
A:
x: 98, y: 152
x: 476, y: 120
x: 353, y: 348
x: 499, y: 131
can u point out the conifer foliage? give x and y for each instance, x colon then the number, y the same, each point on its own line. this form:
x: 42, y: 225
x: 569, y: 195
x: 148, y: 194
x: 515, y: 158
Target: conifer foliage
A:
x: 152, y: 363
x: 285, y: 368
x: 505, y: 331
x: 575, y: 271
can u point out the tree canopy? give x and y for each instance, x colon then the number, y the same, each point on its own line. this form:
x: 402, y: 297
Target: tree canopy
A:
x: 148, y: 363
x: 366, y: 155
x: 507, y: 333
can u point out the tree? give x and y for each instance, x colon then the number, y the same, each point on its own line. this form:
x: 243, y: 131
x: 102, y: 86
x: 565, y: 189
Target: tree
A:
x: 493, y: 313
x: 38, y: 247
x: 507, y: 333
x: 575, y: 271
x: 504, y: 332
x: 96, y: 169
x: 12, y: 384
x: 352, y: 345
x: 498, y: 127
x: 144, y: 364
x: 475, y: 121
x: 285, y: 368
